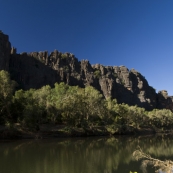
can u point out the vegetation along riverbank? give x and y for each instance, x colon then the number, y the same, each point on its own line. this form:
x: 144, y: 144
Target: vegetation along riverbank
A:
x: 72, y: 111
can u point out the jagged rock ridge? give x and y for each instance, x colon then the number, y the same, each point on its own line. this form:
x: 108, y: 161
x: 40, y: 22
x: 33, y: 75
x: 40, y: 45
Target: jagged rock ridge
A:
x: 36, y: 69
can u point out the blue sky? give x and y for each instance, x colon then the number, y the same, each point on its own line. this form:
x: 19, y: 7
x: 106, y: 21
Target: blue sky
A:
x: 134, y: 33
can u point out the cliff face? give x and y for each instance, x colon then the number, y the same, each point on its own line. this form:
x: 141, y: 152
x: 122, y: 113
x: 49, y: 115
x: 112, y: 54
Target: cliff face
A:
x: 5, y: 48
x: 36, y: 69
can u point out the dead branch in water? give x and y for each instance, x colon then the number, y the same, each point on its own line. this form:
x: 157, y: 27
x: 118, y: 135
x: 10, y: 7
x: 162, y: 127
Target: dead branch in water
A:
x: 160, y: 166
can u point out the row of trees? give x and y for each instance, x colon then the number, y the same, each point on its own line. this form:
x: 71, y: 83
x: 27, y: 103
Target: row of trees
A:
x: 73, y: 106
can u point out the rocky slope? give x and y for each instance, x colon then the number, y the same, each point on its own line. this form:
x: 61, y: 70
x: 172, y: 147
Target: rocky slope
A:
x: 36, y: 69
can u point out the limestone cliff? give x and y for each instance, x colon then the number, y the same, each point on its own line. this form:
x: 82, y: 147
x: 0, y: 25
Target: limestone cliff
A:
x: 36, y: 69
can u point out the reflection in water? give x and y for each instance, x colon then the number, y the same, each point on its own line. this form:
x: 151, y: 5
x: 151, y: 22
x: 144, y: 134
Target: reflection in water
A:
x: 80, y: 155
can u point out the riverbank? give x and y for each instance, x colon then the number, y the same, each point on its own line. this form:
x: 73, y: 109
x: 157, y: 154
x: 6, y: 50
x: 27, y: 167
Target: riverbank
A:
x: 55, y: 131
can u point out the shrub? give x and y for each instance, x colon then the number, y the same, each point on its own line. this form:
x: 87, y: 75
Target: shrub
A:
x: 64, y: 56
x: 97, y: 73
x: 115, y: 75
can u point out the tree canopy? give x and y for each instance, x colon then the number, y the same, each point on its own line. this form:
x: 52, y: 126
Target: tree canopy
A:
x: 73, y: 106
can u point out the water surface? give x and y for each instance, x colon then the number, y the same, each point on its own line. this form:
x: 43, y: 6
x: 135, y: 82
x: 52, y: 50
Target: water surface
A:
x: 81, y: 155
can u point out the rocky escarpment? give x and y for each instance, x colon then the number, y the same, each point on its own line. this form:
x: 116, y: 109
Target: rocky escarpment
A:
x: 5, y: 48
x: 36, y: 69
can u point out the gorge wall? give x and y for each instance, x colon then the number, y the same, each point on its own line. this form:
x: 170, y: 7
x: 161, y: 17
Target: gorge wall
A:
x: 36, y: 69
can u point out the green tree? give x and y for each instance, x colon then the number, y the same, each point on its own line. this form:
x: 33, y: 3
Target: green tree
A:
x: 7, y: 87
x: 29, y: 112
x: 43, y: 98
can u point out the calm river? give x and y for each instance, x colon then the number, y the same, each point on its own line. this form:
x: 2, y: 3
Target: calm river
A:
x: 80, y: 155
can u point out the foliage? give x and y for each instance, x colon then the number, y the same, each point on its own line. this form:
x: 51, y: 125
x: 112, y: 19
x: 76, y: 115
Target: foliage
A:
x: 27, y: 108
x: 97, y: 73
x: 66, y: 69
x: 64, y: 56
x: 115, y: 75
x: 160, y: 118
x: 7, y: 87
x: 122, y: 81
x: 75, y: 107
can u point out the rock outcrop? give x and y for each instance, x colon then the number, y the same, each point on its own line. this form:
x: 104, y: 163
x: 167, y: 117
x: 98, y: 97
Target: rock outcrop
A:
x: 36, y: 69
x: 5, y: 48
